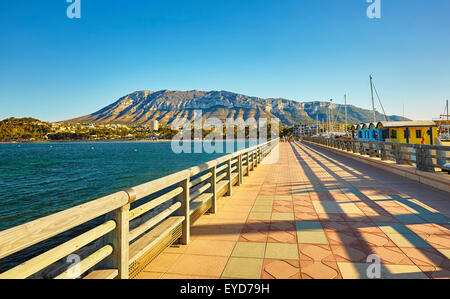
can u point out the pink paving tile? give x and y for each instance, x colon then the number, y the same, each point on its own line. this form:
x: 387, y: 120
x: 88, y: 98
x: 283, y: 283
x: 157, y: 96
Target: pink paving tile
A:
x: 303, y: 204
x: 445, y: 228
x: 283, y: 191
x: 377, y: 239
x: 255, y: 231
x: 280, y: 269
x: 315, y: 252
x: 282, y: 232
x: 342, y: 238
x: 256, y: 225
x: 437, y: 241
x: 428, y: 228
x: 350, y: 253
x: 340, y: 226
x: 428, y: 257
x: 331, y: 217
x: 301, y: 198
x: 306, y: 216
x: 383, y: 218
x: 282, y: 209
x: 391, y: 255
x: 304, y: 209
x: 319, y: 270
x: 320, y: 196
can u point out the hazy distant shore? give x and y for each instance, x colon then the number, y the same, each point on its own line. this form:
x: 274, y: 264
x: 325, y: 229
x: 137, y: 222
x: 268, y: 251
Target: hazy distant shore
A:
x: 82, y: 141
x: 111, y: 140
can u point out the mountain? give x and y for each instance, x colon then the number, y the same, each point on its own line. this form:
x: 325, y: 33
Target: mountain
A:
x: 166, y: 106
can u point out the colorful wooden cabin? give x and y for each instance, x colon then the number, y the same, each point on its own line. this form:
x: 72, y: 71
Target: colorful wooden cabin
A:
x: 369, y: 132
x: 410, y: 132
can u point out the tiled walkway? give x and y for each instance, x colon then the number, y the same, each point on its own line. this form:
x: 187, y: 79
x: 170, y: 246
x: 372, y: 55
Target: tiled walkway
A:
x: 315, y: 214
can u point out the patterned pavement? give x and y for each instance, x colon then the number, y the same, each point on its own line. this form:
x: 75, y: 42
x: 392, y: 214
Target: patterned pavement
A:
x: 316, y: 214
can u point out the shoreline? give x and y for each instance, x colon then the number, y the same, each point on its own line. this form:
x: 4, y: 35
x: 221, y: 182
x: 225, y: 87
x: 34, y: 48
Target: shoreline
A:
x: 79, y: 141
x: 115, y: 140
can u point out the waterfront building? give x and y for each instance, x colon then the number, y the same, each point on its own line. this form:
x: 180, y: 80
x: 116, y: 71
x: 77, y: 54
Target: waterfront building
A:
x: 304, y: 130
x: 369, y: 132
x: 409, y: 132
x: 154, y: 125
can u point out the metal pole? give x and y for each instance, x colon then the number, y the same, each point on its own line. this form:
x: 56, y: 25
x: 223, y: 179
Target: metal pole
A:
x: 373, y: 100
x: 447, y: 110
x: 317, y: 121
x: 345, y: 100
x: 331, y: 116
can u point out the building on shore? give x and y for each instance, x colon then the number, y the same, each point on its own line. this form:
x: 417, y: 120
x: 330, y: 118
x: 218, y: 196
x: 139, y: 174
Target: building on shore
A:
x: 408, y: 132
x: 369, y: 132
x: 154, y: 125
x: 444, y: 129
x: 304, y: 130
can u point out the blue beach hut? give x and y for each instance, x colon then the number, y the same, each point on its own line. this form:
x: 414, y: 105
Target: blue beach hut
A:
x: 369, y: 132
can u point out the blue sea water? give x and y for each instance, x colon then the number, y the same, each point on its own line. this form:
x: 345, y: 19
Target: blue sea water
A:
x: 37, y: 180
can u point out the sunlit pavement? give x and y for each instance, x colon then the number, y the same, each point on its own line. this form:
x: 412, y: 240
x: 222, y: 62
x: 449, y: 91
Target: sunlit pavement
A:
x: 316, y: 214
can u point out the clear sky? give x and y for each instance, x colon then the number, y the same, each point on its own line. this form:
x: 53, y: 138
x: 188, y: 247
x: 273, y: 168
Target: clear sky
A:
x: 55, y: 68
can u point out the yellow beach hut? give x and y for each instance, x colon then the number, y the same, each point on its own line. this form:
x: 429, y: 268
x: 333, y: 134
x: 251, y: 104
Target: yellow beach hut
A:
x: 410, y: 132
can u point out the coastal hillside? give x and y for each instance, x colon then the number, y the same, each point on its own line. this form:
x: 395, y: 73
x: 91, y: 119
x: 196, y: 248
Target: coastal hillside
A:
x: 166, y: 106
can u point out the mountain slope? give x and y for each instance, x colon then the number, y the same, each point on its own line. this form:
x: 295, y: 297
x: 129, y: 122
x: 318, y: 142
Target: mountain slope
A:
x: 167, y: 106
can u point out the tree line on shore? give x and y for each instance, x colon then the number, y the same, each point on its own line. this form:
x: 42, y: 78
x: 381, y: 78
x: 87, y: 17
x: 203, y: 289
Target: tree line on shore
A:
x: 31, y: 129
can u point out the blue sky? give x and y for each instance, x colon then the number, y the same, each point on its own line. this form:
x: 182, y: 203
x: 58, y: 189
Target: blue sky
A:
x: 55, y: 68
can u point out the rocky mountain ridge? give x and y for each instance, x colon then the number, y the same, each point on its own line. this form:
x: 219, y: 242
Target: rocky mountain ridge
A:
x: 167, y: 106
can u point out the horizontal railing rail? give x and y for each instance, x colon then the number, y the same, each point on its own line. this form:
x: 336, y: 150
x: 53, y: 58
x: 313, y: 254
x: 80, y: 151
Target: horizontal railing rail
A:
x: 135, y: 225
x: 425, y: 157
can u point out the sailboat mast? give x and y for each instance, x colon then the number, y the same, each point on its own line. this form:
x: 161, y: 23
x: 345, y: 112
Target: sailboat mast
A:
x: 373, y: 100
x: 447, y: 110
x: 345, y: 101
x: 331, y: 116
x: 317, y: 123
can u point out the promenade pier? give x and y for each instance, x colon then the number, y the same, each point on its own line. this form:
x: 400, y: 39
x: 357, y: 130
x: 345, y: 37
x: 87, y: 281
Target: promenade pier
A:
x: 313, y: 213
x: 316, y: 214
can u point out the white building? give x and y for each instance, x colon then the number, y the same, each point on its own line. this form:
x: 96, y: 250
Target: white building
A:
x: 154, y: 125
x: 304, y: 130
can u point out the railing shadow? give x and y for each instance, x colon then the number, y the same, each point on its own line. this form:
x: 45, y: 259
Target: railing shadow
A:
x: 398, y: 226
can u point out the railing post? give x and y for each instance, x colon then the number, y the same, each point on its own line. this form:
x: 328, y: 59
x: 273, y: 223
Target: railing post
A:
x: 240, y: 170
x: 184, y: 198
x: 118, y: 238
x: 423, y: 163
x: 384, y: 155
x: 371, y: 150
x: 230, y: 183
x: 213, y: 181
x: 248, y: 164
x: 396, y: 149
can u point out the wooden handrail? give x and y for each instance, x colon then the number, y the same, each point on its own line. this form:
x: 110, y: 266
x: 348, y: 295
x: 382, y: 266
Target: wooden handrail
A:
x: 47, y: 258
x: 386, y: 150
x: 20, y: 237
